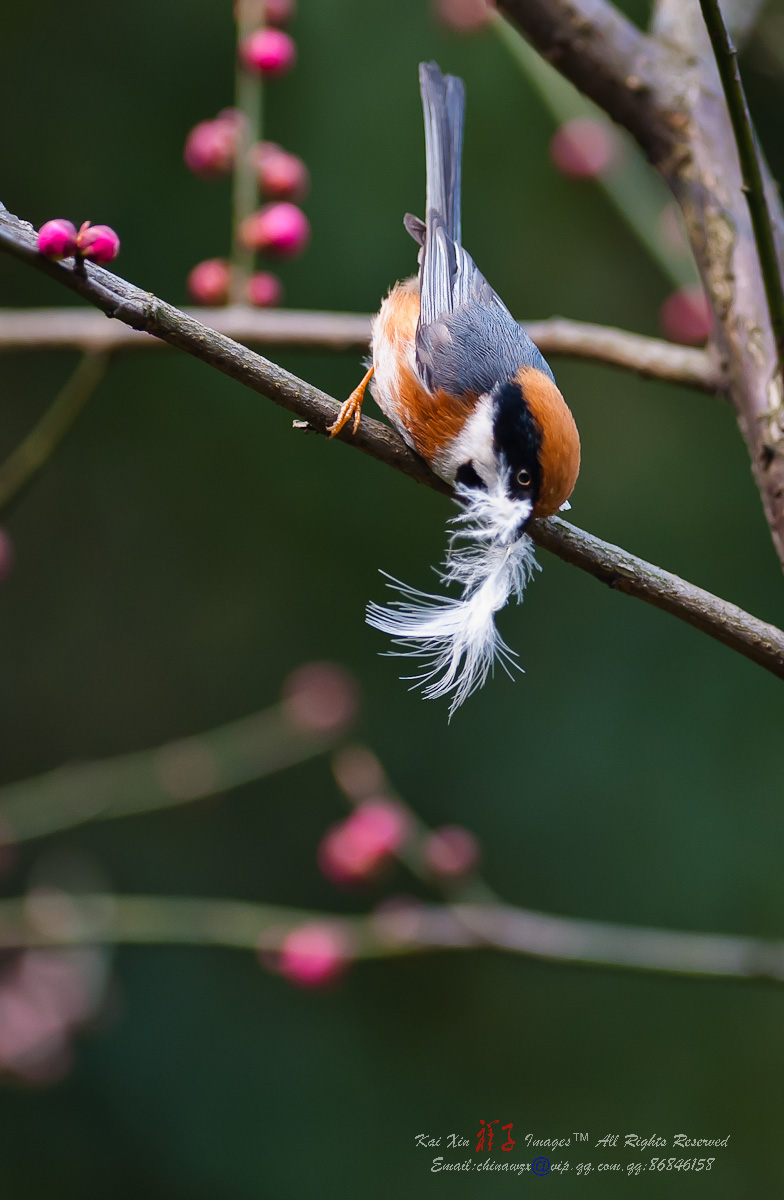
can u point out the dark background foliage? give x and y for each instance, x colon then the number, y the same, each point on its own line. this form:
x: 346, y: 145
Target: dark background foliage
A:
x: 185, y: 551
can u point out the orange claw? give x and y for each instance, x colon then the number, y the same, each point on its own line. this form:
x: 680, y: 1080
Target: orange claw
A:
x: 351, y: 408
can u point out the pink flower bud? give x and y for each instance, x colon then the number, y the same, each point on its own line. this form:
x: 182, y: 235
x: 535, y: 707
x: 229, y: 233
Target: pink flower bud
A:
x: 463, y: 16
x: 315, y: 955
x: 210, y: 146
x: 353, y: 850
x: 341, y: 860
x: 264, y: 290
x: 281, y: 175
x: 98, y: 242
x: 270, y: 52
x: 450, y: 851
x: 208, y: 282
x: 281, y: 229
x: 7, y: 555
x: 583, y: 148
x: 686, y: 317
x: 320, y: 698
x: 279, y: 12
x: 380, y: 825
x: 57, y: 239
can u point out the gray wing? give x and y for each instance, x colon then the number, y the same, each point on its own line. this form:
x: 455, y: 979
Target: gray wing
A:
x: 468, y: 351
x: 466, y: 337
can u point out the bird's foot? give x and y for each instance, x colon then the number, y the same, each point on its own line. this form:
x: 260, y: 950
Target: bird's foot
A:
x: 351, y: 408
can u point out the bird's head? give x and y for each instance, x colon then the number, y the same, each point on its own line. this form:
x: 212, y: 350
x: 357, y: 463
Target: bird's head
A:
x: 526, y: 450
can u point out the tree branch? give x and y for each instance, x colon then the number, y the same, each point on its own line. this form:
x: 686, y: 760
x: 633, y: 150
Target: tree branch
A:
x: 65, y: 920
x: 604, y: 55
x: 680, y: 22
x: 673, y: 105
x: 82, y: 329
x: 650, y: 357
x: 751, y: 168
x: 756, y: 640
x: 205, y: 764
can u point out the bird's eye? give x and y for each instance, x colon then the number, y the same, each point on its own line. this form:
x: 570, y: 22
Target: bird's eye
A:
x: 523, y: 478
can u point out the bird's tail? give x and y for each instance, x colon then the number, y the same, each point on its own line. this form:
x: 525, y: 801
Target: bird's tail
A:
x: 456, y: 638
x: 443, y: 101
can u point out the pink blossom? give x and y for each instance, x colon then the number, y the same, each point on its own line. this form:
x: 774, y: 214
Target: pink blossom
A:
x: 353, y: 850
x: 583, y: 148
x: 98, y: 242
x: 320, y: 698
x: 380, y: 825
x: 270, y: 52
x: 264, y: 290
x: 44, y: 998
x: 463, y: 16
x: 208, y: 282
x: 686, y: 317
x: 450, y: 851
x: 57, y: 238
x: 281, y: 174
x: 281, y: 229
x: 210, y: 146
x: 315, y: 955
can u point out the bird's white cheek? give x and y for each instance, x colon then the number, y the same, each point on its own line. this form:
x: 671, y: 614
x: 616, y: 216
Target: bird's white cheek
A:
x: 473, y: 444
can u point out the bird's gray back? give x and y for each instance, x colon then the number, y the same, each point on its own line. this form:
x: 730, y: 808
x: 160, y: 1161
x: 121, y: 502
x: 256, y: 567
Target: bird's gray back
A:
x: 468, y: 351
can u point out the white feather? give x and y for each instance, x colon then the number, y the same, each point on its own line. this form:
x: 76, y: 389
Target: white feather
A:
x: 457, y: 637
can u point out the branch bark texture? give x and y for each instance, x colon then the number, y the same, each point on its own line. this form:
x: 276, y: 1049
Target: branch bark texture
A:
x: 604, y: 55
x: 85, y: 329
x: 671, y: 100
x: 756, y: 640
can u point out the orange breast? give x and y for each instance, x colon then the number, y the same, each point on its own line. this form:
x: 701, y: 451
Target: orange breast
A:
x: 427, y: 420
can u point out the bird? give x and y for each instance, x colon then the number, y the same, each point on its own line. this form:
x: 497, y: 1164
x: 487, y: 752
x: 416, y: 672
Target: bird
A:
x: 470, y: 393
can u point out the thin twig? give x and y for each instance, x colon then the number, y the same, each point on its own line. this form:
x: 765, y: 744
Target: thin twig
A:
x: 175, y: 773
x: 84, y: 328
x: 248, y: 99
x: 35, y: 450
x: 756, y: 640
x: 680, y: 22
x: 77, y: 328
x: 64, y: 920
x: 751, y: 167
x: 653, y: 358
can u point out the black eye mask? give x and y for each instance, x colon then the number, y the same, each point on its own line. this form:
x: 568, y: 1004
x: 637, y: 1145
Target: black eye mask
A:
x: 517, y: 439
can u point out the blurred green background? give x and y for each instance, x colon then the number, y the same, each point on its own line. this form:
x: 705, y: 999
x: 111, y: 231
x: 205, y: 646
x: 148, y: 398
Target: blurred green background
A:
x: 184, y: 552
